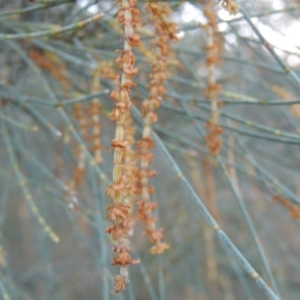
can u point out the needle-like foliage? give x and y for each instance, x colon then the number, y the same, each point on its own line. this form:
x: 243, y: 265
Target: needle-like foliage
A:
x: 124, y: 122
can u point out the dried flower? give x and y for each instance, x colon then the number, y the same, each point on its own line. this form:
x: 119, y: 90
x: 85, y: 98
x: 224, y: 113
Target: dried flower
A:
x: 230, y: 6
x: 164, y: 31
x: 159, y: 248
x: 128, y: 17
x: 119, y: 284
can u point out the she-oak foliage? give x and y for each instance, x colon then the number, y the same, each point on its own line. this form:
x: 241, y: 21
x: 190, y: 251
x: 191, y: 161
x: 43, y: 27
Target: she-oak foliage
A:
x: 121, y: 121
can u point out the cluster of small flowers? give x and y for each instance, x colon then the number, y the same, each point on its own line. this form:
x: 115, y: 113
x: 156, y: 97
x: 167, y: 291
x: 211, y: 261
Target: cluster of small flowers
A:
x: 119, y: 211
x: 164, y: 31
x: 213, y: 129
x: 294, y: 209
x: 230, y: 6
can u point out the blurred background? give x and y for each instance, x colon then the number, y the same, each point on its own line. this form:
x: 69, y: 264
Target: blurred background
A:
x: 48, y: 84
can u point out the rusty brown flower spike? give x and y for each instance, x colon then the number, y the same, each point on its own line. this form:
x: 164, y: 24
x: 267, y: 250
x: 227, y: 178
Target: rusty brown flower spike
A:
x: 118, y: 212
x: 164, y: 31
x: 230, y: 6
x: 213, y: 129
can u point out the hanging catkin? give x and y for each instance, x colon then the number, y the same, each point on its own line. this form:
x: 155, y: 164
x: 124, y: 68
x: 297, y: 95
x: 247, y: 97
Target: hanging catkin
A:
x: 164, y: 31
x: 118, y: 212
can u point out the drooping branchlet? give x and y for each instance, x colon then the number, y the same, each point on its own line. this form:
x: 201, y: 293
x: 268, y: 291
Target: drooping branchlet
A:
x: 213, y: 129
x: 118, y: 212
x: 164, y: 31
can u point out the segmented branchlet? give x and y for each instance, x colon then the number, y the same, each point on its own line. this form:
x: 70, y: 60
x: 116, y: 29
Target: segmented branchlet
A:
x: 118, y: 212
x: 104, y: 70
x: 164, y: 31
x: 213, y: 129
x: 286, y: 95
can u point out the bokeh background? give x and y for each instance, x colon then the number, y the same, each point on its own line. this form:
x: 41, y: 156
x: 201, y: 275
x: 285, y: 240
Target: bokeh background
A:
x: 251, y: 188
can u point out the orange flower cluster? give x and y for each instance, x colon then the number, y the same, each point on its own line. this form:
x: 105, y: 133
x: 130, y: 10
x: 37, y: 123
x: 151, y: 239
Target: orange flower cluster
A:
x: 230, y: 6
x: 160, y: 13
x: 294, y: 209
x: 164, y: 31
x: 118, y: 212
x: 213, y: 129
